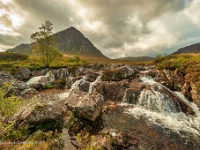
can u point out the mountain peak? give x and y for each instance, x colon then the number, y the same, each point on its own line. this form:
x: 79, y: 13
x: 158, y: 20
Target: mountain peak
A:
x: 194, y: 48
x: 71, y: 41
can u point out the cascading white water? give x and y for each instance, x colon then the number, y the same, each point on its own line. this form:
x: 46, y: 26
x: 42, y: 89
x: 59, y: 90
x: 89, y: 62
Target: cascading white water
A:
x: 156, y: 101
x: 91, y: 88
x: 124, y: 99
x: 75, y: 86
x: 158, y: 108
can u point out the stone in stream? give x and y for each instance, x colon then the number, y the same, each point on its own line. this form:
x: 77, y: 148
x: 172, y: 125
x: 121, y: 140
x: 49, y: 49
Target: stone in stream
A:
x: 86, y: 105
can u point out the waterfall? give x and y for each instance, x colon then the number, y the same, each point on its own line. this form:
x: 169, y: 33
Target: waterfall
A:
x: 124, y: 99
x: 156, y: 101
x: 74, y: 86
x: 91, y: 88
x: 160, y: 109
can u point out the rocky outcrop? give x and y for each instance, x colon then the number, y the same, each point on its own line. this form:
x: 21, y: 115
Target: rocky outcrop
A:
x: 195, y: 94
x: 120, y: 73
x: 41, y: 81
x: 21, y: 73
x: 43, y: 108
x: 5, y: 77
x: 86, y: 105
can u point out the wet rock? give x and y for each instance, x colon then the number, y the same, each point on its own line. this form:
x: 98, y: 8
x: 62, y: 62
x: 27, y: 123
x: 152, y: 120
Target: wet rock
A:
x: 85, y: 105
x: 84, y: 86
x: 61, y: 73
x: 5, y: 77
x: 186, y: 90
x: 42, y: 72
x: 194, y: 94
x: 83, y: 71
x: 91, y: 77
x: 128, y: 132
x: 132, y: 93
x: 112, y: 90
x: 21, y: 73
x: 29, y: 92
x: 40, y: 81
x: 118, y: 74
x: 18, y: 87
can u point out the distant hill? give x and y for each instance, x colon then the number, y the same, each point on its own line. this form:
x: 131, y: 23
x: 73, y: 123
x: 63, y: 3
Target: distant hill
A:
x: 70, y: 41
x: 137, y: 59
x: 194, y: 48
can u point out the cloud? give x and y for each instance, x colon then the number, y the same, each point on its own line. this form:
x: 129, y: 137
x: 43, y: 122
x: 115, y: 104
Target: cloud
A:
x: 118, y: 28
x: 193, y: 12
x: 125, y: 23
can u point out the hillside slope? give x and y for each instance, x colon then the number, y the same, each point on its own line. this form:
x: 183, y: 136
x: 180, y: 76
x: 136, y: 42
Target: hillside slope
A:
x: 194, y: 48
x: 70, y: 41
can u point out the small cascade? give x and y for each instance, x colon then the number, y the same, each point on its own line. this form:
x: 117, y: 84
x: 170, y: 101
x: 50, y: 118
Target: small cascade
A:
x: 157, y: 102
x: 159, y: 105
x: 74, y: 86
x: 124, y: 99
x: 91, y: 88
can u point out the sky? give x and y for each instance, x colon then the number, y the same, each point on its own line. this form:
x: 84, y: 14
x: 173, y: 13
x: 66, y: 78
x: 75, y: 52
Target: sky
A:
x: 119, y: 28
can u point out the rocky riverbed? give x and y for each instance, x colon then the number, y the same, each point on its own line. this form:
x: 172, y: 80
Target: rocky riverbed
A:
x: 110, y: 106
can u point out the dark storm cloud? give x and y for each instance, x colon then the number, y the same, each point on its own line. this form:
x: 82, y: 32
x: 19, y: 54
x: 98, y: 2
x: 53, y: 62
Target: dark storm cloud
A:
x: 51, y: 10
x: 126, y: 20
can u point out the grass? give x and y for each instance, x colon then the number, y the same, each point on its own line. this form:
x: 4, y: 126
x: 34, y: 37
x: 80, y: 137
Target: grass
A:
x: 93, y: 60
x: 187, y: 64
x: 8, y: 61
x: 173, y: 62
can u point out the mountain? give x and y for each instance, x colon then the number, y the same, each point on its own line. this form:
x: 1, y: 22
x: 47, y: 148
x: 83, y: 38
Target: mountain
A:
x: 194, y: 48
x: 21, y: 49
x: 142, y: 58
x: 70, y: 41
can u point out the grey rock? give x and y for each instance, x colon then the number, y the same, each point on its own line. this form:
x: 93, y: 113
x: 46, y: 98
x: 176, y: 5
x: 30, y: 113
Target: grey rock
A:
x: 22, y: 73
x: 40, y: 81
x: 84, y: 86
x: 5, y: 77
x: 86, y: 105
x: 43, y: 108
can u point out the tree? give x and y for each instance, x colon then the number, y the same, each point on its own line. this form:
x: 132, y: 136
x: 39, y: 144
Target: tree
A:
x: 45, y: 44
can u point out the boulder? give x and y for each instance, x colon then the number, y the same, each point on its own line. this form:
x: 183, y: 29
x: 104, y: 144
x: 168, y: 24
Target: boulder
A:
x: 61, y: 73
x: 40, y: 81
x: 85, y: 105
x: 5, y: 77
x: 84, y: 86
x: 120, y: 73
x: 43, y: 108
x: 21, y: 73
x: 112, y: 90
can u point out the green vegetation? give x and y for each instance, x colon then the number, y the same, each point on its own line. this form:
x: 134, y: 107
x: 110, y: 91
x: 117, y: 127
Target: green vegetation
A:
x: 6, y: 56
x: 59, y: 84
x: 8, y: 107
x: 71, y: 121
x: 11, y: 61
x: 44, y: 137
x: 173, y: 62
x: 45, y: 46
x: 187, y: 64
